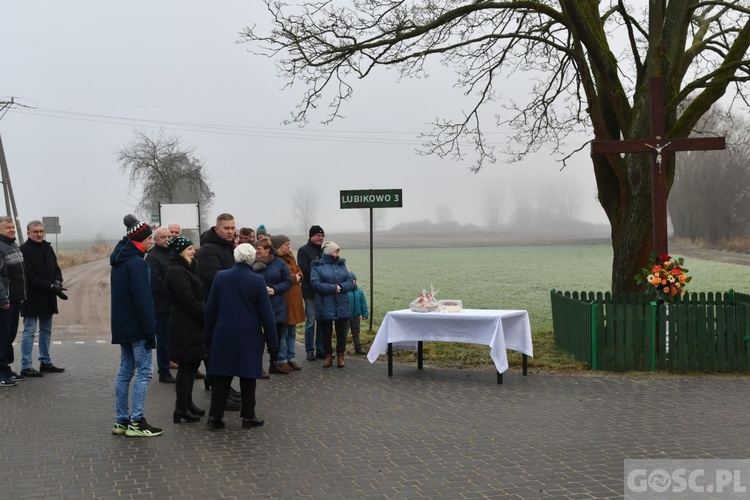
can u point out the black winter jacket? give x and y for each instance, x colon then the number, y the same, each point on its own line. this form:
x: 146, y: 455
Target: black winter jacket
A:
x: 306, y: 255
x: 216, y: 254
x: 42, y: 271
x: 158, y: 261
x: 187, y: 340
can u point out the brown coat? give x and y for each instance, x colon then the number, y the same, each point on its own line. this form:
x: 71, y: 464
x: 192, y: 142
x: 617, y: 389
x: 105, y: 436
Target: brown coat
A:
x: 294, y: 304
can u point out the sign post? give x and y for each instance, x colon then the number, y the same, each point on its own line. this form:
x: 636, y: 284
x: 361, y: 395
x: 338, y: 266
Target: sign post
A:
x: 52, y: 226
x: 371, y: 198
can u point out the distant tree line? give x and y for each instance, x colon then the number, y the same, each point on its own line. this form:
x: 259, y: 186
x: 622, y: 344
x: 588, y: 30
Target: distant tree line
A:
x: 546, y: 204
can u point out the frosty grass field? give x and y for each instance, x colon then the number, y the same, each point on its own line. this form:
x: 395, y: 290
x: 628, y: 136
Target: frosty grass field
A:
x: 508, y: 277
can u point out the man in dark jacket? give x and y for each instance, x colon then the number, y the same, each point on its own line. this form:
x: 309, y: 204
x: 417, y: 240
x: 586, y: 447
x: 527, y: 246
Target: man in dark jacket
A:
x: 44, y: 280
x: 158, y: 262
x: 133, y: 327
x: 216, y: 253
x: 12, y: 294
x: 305, y: 256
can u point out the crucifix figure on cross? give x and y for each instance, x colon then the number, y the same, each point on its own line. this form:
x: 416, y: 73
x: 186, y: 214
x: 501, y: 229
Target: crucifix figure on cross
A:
x: 658, y: 149
x: 658, y: 175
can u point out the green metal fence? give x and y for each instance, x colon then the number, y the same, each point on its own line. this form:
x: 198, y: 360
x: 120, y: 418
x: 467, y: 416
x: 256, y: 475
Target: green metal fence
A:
x: 624, y: 332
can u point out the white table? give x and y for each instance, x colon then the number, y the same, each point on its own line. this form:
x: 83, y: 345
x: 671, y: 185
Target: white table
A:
x: 499, y: 329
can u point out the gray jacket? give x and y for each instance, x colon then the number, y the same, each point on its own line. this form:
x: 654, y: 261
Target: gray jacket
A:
x: 12, y: 272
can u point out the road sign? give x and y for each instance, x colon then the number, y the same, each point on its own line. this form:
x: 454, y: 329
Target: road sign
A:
x: 154, y: 217
x: 51, y: 225
x: 371, y: 198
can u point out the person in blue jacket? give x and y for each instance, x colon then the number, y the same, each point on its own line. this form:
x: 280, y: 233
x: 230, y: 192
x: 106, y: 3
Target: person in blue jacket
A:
x: 278, y: 281
x: 133, y: 327
x: 238, y: 320
x: 358, y: 311
x: 331, y: 281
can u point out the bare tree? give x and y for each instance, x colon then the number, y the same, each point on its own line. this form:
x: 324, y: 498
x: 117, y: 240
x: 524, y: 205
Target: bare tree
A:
x: 305, y: 209
x: 166, y: 171
x: 580, y: 77
x: 492, y: 204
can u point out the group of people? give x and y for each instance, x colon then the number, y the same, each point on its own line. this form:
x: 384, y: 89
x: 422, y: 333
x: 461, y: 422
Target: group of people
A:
x: 243, y: 292
x: 30, y: 284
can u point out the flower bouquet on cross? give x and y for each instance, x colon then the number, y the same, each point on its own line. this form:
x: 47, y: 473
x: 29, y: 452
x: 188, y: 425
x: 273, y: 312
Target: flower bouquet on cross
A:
x: 666, y: 277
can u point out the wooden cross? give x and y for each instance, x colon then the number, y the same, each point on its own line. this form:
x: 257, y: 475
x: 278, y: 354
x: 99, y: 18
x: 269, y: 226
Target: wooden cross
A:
x: 658, y: 146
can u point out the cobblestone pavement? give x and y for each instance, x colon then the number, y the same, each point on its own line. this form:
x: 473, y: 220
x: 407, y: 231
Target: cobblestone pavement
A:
x: 356, y: 433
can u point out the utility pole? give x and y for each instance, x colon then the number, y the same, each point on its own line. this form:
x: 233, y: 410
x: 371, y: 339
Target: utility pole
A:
x: 10, y: 200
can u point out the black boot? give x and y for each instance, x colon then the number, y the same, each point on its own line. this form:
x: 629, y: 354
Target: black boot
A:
x: 185, y: 415
x: 214, y: 424
x: 195, y: 410
x: 247, y: 423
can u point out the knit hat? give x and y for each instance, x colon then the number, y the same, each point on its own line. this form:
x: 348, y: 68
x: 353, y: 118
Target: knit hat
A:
x: 261, y: 231
x: 178, y: 244
x: 329, y: 247
x: 315, y: 230
x: 277, y: 240
x: 244, y: 253
x: 137, y: 230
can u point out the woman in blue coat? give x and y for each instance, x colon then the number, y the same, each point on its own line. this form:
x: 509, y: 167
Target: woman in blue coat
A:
x: 238, y: 320
x: 331, y: 281
x: 278, y: 280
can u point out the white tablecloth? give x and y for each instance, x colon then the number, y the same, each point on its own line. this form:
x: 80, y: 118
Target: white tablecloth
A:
x: 499, y: 329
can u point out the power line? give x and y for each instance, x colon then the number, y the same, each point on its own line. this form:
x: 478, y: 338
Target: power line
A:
x: 347, y: 136
x: 205, y: 125
x: 227, y: 130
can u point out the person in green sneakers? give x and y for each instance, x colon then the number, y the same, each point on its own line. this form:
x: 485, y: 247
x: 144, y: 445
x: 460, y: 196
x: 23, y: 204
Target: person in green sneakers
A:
x: 133, y: 328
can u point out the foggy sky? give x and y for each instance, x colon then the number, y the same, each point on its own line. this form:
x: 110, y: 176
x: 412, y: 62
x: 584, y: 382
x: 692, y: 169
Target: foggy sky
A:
x: 176, y: 65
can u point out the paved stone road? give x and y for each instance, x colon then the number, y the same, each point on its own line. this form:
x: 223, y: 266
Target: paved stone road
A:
x: 355, y: 433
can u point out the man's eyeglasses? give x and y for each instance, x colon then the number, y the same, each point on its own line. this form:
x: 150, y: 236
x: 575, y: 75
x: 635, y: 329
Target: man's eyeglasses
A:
x: 38, y: 231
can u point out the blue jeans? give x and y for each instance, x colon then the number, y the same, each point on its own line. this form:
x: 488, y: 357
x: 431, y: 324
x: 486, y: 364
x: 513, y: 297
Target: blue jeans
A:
x: 27, y: 339
x: 134, y: 357
x: 313, y: 336
x: 162, y: 343
x: 286, y: 344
